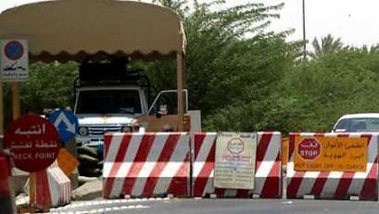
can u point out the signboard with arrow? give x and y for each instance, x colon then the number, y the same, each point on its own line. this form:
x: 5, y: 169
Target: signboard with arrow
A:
x: 66, y: 122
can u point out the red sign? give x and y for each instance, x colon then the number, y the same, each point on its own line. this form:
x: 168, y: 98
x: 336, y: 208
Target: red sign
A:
x: 33, y: 142
x: 309, y: 149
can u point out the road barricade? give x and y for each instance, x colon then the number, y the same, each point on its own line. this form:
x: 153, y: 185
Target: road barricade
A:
x: 52, y: 189
x: 268, y: 174
x: 146, y: 164
x: 333, y: 166
x: 7, y: 203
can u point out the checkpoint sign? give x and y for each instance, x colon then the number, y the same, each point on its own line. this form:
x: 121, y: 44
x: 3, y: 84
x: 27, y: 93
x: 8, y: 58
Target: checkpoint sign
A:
x: 33, y: 143
x: 66, y: 122
x: 14, y: 60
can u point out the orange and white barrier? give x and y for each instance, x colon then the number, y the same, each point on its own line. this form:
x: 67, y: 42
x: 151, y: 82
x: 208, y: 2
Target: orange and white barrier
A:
x: 350, y: 150
x: 53, y: 187
x: 267, y: 180
x: 146, y: 164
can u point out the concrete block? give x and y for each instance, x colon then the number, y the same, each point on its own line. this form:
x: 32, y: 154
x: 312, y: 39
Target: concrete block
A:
x: 89, y: 191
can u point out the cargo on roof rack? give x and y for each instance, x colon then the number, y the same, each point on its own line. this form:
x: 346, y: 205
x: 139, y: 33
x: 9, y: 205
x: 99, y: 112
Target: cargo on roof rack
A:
x: 112, y: 72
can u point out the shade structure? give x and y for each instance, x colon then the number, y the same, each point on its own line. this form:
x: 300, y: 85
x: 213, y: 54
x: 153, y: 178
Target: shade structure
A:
x: 65, y: 30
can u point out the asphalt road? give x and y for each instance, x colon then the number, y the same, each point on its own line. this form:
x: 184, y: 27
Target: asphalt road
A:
x: 220, y: 206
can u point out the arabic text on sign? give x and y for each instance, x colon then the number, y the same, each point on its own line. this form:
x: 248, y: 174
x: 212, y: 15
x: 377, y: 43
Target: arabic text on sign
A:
x: 34, y: 130
x: 36, y: 143
x: 337, y: 153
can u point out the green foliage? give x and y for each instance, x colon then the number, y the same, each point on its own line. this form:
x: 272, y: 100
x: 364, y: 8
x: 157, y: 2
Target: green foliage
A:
x: 230, y: 65
x: 49, y: 86
x: 333, y: 85
x: 328, y: 45
x: 244, y: 83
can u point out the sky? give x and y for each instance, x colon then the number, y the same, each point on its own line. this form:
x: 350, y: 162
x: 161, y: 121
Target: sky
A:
x: 355, y: 22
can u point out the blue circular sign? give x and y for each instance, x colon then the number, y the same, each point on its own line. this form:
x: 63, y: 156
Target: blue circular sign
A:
x: 14, y: 50
x: 66, y: 123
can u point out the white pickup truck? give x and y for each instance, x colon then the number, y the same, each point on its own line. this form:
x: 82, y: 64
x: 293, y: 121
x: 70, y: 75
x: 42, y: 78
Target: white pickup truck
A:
x: 363, y: 122
x: 109, y: 97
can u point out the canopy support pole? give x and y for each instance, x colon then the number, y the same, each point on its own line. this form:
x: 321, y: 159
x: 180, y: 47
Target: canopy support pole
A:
x: 180, y: 78
x: 1, y: 108
x: 16, y: 100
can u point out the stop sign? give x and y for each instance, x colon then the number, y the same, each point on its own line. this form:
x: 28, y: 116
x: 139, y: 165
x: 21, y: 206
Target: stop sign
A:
x: 309, y: 149
x: 33, y: 142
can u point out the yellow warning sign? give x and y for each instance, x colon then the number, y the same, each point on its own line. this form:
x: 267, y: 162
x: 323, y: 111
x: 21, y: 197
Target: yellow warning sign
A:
x: 328, y: 153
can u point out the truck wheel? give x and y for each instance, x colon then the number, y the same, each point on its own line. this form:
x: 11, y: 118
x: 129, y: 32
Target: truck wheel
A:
x: 88, y: 161
x: 89, y: 172
x: 86, y: 150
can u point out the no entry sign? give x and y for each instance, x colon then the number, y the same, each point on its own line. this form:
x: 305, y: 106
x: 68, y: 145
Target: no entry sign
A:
x: 33, y: 142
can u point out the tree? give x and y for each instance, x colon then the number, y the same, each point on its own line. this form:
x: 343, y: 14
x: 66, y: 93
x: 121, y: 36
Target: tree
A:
x: 181, y: 6
x: 231, y: 65
x: 316, y: 93
x: 49, y: 86
x: 328, y: 45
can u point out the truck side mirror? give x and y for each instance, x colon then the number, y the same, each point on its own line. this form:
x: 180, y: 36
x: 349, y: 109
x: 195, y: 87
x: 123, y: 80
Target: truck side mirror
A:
x: 158, y: 114
x: 162, y: 111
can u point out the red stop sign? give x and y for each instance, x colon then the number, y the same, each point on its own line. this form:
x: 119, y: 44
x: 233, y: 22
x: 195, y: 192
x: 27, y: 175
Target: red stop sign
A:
x: 309, y: 149
x: 33, y: 142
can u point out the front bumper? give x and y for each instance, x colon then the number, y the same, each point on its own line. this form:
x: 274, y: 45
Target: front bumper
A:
x: 91, y: 141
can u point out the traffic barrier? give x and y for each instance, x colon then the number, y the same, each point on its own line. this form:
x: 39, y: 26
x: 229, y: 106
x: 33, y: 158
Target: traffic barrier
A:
x: 267, y: 180
x: 7, y: 205
x: 334, y: 184
x: 53, y: 187
x: 146, y: 164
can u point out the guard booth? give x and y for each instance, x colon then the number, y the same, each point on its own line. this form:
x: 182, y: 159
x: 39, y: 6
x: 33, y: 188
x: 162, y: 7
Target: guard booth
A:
x: 72, y: 30
x: 66, y: 30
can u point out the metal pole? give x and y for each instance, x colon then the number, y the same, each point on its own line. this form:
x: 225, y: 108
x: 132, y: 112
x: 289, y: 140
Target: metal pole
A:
x: 16, y: 100
x: 304, y: 37
x: 1, y: 108
x: 180, y: 73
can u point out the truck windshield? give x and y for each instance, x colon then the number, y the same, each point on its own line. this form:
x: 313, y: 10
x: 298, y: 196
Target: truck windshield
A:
x: 108, y: 102
x: 358, y: 125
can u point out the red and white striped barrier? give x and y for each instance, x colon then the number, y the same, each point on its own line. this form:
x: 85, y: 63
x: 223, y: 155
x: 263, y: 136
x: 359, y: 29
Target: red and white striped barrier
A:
x: 334, y: 184
x: 53, y: 187
x: 267, y: 181
x: 7, y: 204
x: 146, y: 164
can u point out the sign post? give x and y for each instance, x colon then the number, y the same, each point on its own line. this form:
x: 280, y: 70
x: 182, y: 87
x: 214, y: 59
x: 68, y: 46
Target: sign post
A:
x: 66, y: 122
x: 14, y: 68
x: 14, y: 60
x: 34, y: 145
x: 1, y: 108
x: 67, y: 125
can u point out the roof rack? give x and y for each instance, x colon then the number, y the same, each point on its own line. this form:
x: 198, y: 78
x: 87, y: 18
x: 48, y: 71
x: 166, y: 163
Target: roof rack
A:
x: 111, y: 73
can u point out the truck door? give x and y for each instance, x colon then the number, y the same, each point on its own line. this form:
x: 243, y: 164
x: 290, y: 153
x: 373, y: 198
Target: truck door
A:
x: 163, y: 113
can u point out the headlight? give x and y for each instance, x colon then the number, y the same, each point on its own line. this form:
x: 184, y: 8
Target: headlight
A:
x: 126, y: 129
x: 83, y: 130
